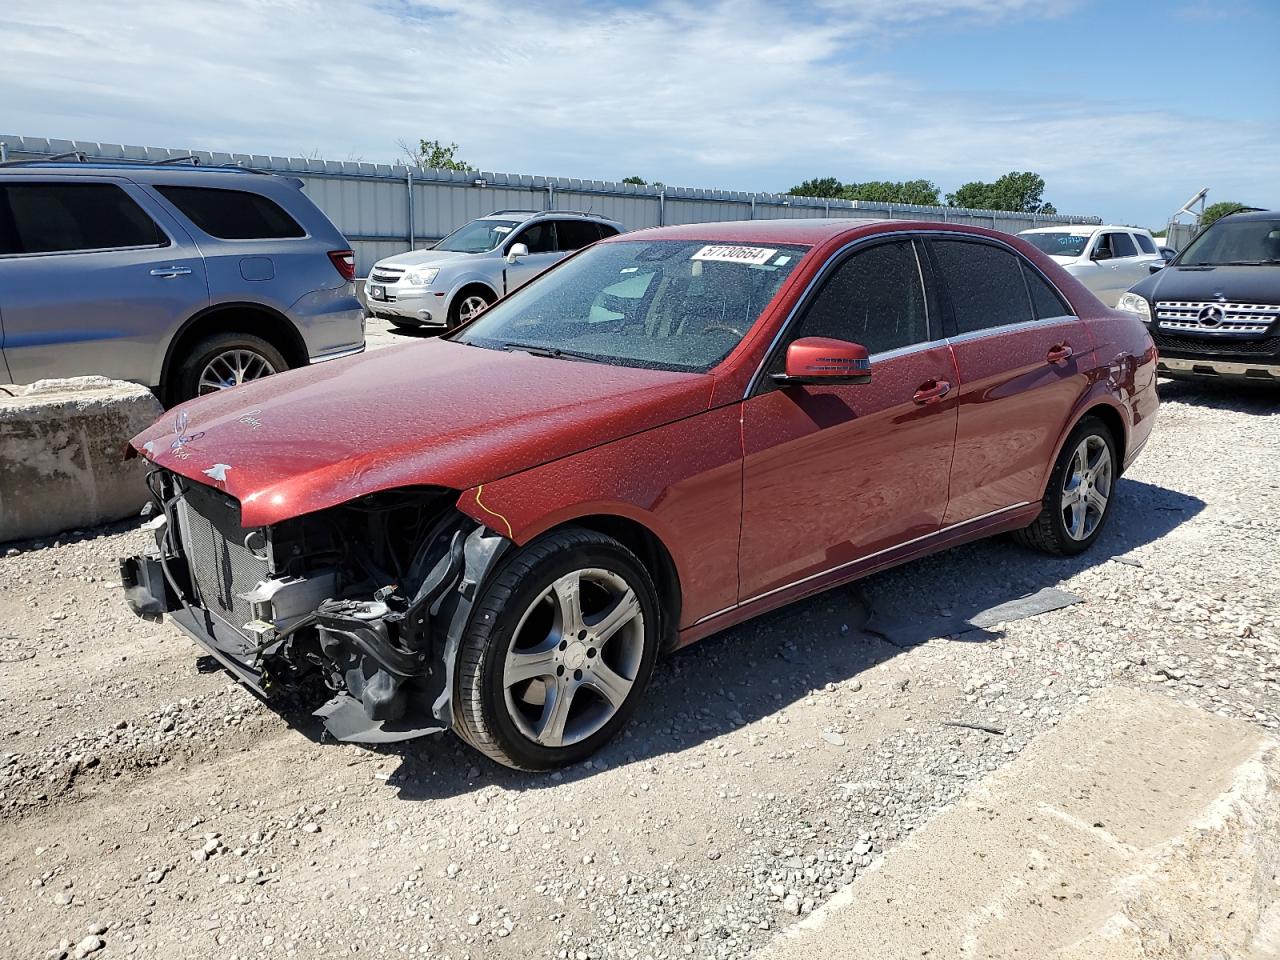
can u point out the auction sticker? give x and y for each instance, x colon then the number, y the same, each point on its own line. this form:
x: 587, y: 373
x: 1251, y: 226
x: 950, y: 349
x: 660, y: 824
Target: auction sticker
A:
x: 756, y: 256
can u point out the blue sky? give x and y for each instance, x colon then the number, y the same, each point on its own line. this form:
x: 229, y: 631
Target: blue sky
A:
x: 1126, y: 108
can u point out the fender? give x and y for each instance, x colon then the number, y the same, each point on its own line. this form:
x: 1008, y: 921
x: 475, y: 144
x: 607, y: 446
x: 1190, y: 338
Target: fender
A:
x: 1099, y: 395
x: 691, y: 504
x: 164, y: 356
x: 470, y: 279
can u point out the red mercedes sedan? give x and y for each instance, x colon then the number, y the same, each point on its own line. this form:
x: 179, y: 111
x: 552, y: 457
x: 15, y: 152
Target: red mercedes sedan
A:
x: 498, y: 532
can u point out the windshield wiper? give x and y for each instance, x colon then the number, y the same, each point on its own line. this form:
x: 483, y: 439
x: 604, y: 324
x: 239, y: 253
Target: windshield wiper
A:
x: 1248, y: 263
x: 555, y: 353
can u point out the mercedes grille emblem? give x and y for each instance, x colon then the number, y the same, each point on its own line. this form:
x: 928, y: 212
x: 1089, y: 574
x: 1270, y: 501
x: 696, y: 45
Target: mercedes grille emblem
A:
x: 1211, y: 316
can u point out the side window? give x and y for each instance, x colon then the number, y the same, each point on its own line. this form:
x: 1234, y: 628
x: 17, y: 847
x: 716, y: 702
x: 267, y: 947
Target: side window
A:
x: 575, y: 234
x: 1046, y: 300
x: 1122, y: 245
x: 874, y: 298
x: 606, y: 231
x: 984, y: 283
x: 233, y: 214
x: 1145, y: 243
x: 539, y: 238
x: 62, y: 217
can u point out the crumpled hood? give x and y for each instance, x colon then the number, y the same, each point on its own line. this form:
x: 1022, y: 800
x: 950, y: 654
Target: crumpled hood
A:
x: 434, y: 413
x: 1256, y: 284
x: 415, y: 258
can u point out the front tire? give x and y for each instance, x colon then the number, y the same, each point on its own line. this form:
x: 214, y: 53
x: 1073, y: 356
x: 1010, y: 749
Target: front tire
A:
x: 1081, y: 490
x: 468, y: 305
x: 558, y: 651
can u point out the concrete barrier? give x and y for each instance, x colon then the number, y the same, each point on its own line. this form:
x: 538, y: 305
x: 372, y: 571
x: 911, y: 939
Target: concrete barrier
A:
x: 62, y: 448
x: 1138, y: 828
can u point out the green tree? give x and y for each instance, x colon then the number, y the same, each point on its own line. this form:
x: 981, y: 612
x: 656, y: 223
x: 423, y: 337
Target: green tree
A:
x: 826, y: 187
x: 1216, y: 211
x: 1018, y: 192
x: 922, y: 192
x: 434, y: 155
x: 638, y: 181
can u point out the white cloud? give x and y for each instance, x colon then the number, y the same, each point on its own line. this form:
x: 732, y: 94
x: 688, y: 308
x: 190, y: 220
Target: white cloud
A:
x: 740, y: 94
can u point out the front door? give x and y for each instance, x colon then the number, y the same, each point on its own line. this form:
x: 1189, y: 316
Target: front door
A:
x: 1020, y: 355
x: 540, y: 238
x: 835, y: 474
x: 91, y: 281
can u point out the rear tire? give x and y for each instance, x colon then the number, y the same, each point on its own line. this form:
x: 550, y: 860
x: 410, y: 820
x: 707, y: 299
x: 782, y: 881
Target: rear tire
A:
x: 1080, y: 492
x: 222, y: 358
x: 558, y: 651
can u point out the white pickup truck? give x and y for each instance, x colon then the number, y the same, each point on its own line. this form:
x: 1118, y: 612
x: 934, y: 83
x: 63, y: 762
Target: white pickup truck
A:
x: 1106, y: 259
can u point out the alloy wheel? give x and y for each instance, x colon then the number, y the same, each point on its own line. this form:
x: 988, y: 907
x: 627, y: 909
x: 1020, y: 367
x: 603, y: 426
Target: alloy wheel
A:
x: 574, y: 658
x: 232, y: 368
x: 471, y: 307
x: 1086, y: 491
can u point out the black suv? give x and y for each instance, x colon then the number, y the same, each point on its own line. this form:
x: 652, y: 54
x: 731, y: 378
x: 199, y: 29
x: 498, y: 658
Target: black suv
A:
x: 1214, y: 311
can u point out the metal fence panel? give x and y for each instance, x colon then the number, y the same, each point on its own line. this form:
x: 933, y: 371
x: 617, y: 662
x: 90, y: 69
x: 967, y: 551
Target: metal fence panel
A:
x: 371, y: 203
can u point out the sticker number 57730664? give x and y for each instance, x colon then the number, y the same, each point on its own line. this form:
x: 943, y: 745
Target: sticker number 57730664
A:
x: 757, y: 256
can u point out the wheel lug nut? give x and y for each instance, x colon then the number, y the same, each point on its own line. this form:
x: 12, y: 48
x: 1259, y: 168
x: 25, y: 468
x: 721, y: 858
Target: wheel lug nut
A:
x: 560, y: 671
x: 577, y: 674
x: 582, y: 634
x: 564, y: 644
x: 591, y: 651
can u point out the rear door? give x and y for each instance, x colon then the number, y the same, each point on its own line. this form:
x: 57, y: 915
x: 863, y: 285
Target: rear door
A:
x: 540, y: 238
x: 1020, y: 355
x: 834, y: 474
x: 92, y: 277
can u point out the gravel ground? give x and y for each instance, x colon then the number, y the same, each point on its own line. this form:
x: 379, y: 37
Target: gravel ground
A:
x: 151, y: 807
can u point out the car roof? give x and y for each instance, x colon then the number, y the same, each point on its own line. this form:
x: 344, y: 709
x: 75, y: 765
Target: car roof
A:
x: 793, y: 230
x: 523, y: 215
x: 97, y: 167
x: 1253, y: 215
x: 1081, y: 228
x: 142, y: 172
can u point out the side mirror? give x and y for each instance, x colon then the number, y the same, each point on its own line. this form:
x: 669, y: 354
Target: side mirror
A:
x: 823, y: 360
x: 1101, y: 255
x: 1155, y: 266
x: 517, y: 251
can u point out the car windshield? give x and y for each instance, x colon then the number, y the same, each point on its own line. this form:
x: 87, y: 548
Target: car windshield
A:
x: 478, y: 236
x: 1230, y: 242
x: 1058, y: 244
x: 667, y: 304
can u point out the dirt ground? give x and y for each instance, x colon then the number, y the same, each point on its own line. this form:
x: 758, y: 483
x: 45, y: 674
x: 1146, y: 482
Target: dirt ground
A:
x: 150, y: 806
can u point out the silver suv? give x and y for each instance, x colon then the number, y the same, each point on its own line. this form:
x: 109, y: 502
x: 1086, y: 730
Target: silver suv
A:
x: 185, y: 279
x: 476, y: 264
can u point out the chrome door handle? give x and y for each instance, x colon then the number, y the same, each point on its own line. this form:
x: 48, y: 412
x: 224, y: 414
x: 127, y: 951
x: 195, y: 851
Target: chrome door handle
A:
x: 1060, y: 353
x: 170, y: 271
x: 931, y: 392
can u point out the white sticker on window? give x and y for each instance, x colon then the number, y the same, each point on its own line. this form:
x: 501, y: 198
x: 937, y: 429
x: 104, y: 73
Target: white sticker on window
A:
x: 503, y: 229
x: 757, y: 256
x: 628, y: 269
x: 781, y: 261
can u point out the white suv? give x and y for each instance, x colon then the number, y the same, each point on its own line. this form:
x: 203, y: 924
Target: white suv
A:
x: 479, y: 262
x: 1107, y: 259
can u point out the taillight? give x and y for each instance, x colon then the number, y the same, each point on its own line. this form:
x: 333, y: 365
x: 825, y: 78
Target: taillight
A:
x: 344, y: 261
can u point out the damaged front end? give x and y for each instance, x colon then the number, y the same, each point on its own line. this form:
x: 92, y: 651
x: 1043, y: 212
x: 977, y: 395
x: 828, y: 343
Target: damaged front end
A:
x: 366, y: 600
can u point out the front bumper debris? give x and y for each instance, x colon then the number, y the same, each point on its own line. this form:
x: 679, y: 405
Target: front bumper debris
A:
x: 385, y: 657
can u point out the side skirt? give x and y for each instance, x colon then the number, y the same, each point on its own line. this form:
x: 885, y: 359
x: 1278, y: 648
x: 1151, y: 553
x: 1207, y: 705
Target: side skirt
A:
x: 1013, y: 518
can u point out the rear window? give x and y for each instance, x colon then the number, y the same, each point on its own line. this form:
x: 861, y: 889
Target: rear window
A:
x: 985, y: 284
x: 1145, y: 243
x: 1046, y: 300
x: 64, y: 217
x: 576, y: 234
x: 233, y: 214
